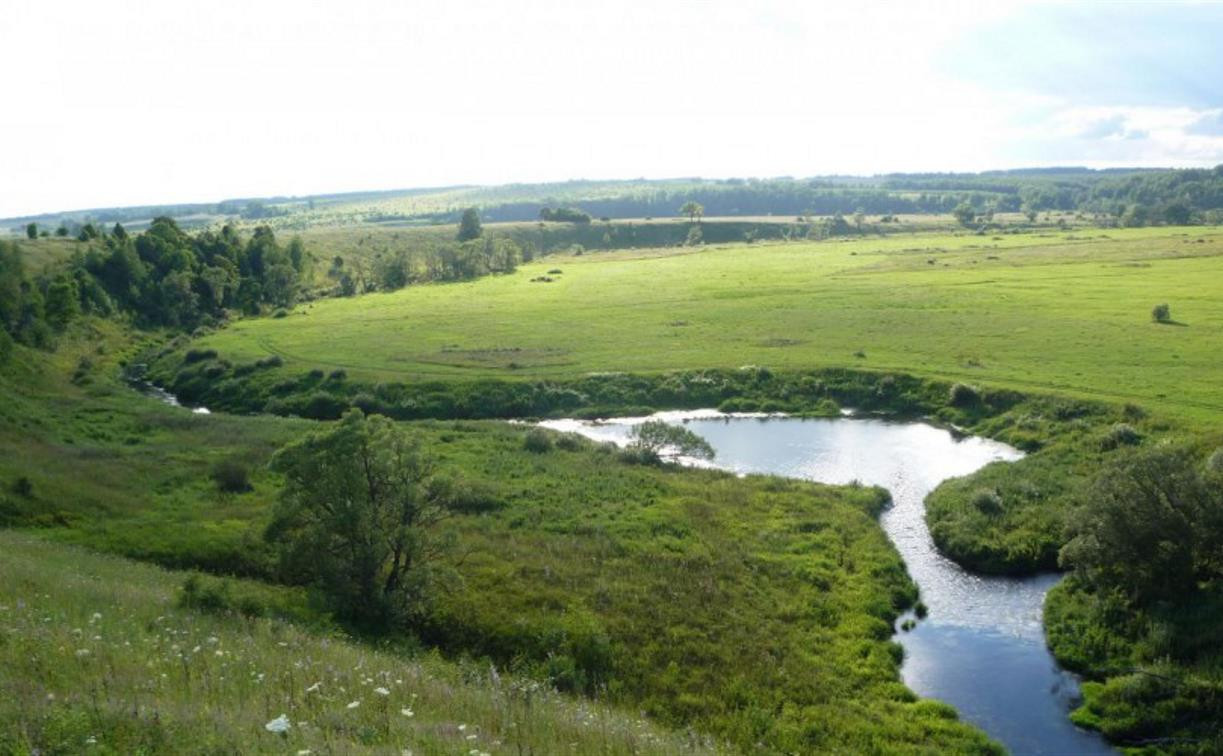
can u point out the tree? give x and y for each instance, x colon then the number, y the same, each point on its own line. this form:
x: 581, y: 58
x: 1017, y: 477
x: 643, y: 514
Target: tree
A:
x: 694, y: 210
x: 31, y: 231
x: 1151, y: 526
x: 469, y: 225
x: 62, y: 302
x: 653, y: 437
x: 358, y: 516
x: 1161, y: 313
x: 965, y: 214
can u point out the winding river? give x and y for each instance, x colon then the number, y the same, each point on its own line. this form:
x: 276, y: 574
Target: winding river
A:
x: 981, y: 648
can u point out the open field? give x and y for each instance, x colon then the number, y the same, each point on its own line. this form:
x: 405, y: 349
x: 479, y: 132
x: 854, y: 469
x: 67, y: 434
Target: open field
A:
x: 1066, y: 313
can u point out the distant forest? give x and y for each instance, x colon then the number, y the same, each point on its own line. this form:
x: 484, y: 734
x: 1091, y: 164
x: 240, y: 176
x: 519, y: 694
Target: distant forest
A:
x: 1132, y: 196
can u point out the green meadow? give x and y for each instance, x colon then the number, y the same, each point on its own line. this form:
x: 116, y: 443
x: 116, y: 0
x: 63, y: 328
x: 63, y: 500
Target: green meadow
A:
x: 1066, y: 313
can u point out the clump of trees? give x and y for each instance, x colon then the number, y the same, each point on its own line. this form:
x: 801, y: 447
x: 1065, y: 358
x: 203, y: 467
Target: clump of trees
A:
x: 358, y: 519
x: 1151, y: 526
x: 161, y: 277
x: 564, y: 215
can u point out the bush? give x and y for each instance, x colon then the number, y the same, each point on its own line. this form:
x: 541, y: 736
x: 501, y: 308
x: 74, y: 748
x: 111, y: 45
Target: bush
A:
x: 231, y: 476
x: 273, y: 361
x: 199, y: 355
x: 987, y: 501
x: 963, y: 395
x: 1161, y: 313
x: 23, y: 487
x: 338, y: 375
x: 537, y: 441
x: 1121, y: 434
x: 281, y: 313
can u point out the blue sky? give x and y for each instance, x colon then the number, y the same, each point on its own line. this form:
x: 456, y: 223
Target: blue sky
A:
x: 114, y: 103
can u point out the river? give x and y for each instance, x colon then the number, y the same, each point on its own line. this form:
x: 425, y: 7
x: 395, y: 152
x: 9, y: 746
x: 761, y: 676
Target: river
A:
x: 981, y: 647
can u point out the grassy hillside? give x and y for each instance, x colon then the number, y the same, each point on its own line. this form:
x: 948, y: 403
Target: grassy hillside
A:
x: 97, y: 656
x: 1066, y: 313
x: 755, y: 610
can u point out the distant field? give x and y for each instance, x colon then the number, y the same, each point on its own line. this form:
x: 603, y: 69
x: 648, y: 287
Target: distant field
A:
x: 1065, y: 312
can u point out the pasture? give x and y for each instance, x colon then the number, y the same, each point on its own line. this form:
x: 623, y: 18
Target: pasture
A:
x: 1042, y: 312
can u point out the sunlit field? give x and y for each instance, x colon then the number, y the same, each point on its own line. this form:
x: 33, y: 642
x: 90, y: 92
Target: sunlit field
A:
x: 1066, y: 312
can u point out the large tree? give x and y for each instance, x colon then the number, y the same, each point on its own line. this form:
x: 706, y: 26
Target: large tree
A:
x: 357, y: 518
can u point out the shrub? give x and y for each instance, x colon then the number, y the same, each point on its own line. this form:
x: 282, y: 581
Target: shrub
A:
x: 1121, y: 434
x: 537, y: 441
x: 338, y: 374
x: 987, y: 501
x: 231, y: 476
x: 1161, y: 313
x: 569, y: 442
x: 23, y: 487
x: 281, y: 313
x: 963, y: 395
x: 1215, y: 462
x: 273, y: 361
x: 199, y: 355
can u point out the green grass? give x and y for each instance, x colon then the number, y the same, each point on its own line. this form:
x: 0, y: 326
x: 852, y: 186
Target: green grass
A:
x: 96, y: 656
x: 1067, y: 313
x: 753, y: 610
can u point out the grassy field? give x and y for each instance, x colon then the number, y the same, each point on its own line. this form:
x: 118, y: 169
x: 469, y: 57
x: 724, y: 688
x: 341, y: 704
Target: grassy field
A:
x: 97, y: 656
x: 1066, y: 313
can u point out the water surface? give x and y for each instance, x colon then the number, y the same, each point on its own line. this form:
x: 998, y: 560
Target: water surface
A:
x: 981, y: 648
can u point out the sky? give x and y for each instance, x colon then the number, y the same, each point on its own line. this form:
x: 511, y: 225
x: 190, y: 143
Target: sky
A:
x: 108, y: 103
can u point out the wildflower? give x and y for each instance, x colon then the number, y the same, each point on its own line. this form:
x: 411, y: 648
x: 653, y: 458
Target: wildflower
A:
x: 407, y: 712
x: 462, y: 727
x: 82, y: 652
x: 472, y: 737
x: 382, y: 691
x: 304, y: 752
x: 96, y: 616
x: 314, y: 687
x: 354, y: 704
x: 279, y: 725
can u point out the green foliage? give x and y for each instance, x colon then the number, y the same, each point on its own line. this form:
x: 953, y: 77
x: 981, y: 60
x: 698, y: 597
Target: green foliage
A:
x: 31, y: 231
x: 469, y: 225
x: 1161, y: 313
x: 965, y: 214
x: 693, y: 210
x: 357, y: 518
x: 653, y: 438
x: 231, y: 476
x: 538, y: 441
x: 564, y: 215
x: 1151, y: 526
x: 1156, y: 686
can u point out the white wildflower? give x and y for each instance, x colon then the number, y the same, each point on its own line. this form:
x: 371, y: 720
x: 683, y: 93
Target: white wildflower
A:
x: 462, y: 727
x: 354, y: 704
x: 407, y: 712
x: 278, y: 725
x: 382, y: 691
x: 314, y: 687
x: 96, y: 616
